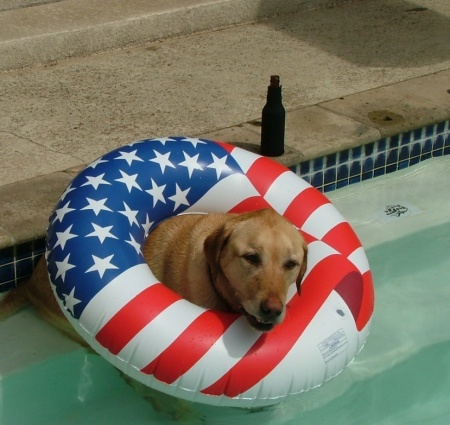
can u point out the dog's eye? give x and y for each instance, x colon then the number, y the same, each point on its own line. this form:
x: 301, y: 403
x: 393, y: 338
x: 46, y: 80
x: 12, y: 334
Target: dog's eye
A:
x: 289, y: 265
x: 253, y: 259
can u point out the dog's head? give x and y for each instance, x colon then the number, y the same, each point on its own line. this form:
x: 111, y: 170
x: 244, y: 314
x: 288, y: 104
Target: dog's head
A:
x: 254, y: 258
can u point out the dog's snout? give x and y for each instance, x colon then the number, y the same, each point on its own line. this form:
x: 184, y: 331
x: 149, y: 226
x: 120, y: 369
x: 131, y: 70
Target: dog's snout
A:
x: 271, y: 308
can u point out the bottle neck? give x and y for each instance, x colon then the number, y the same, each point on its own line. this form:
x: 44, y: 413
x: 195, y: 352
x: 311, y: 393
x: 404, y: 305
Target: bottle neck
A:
x: 273, y: 95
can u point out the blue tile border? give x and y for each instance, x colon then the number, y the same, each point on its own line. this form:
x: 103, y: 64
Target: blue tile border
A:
x: 377, y: 158
x: 326, y: 174
x: 17, y: 263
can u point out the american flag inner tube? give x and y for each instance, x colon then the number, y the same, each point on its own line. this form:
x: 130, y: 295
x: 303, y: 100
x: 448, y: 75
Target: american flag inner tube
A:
x: 109, y: 294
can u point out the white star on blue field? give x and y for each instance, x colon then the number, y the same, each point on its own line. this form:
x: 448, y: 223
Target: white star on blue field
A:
x: 102, y: 219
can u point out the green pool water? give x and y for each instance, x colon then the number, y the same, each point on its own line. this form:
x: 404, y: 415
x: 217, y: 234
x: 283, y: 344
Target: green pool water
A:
x: 402, y: 375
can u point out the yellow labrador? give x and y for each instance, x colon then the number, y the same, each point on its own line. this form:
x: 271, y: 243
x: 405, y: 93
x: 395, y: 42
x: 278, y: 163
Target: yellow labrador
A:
x: 242, y: 263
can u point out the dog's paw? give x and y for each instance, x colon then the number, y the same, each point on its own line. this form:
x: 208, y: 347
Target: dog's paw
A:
x: 168, y: 407
x: 12, y: 302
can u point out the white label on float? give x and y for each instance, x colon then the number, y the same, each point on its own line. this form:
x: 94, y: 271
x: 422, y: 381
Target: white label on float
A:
x: 334, y: 345
x: 395, y: 211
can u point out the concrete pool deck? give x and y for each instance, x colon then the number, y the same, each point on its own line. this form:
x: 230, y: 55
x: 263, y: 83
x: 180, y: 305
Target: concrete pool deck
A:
x: 80, y: 78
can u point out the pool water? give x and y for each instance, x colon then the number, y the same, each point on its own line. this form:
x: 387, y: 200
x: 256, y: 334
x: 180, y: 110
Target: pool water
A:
x: 402, y: 376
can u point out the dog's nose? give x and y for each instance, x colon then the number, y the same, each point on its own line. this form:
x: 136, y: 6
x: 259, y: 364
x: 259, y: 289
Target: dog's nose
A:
x: 271, y: 308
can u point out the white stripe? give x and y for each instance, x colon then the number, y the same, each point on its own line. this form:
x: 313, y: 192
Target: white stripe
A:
x: 225, y: 195
x: 221, y: 357
x: 161, y: 332
x: 292, y: 292
x: 317, y: 251
x: 245, y: 159
x: 322, y: 220
x: 284, y: 190
x: 119, y: 292
x: 359, y: 259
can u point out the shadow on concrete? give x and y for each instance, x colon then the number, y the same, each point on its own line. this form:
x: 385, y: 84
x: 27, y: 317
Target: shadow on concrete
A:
x: 19, y: 4
x: 374, y: 33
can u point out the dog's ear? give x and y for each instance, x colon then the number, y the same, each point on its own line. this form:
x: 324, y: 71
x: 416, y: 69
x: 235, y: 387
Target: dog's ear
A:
x: 302, y: 269
x: 214, y: 244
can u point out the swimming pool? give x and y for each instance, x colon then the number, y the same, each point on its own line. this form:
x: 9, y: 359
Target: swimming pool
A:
x: 402, y: 376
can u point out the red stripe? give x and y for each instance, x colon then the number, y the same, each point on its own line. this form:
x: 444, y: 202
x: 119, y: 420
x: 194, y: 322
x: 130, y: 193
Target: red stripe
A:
x: 229, y: 148
x: 366, y: 310
x: 343, y: 239
x: 251, y: 204
x: 304, y: 205
x: 134, y: 316
x: 351, y: 291
x: 272, y: 347
x: 264, y: 172
x: 190, y: 346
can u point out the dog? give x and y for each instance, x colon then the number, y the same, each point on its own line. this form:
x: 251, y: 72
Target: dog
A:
x: 241, y: 263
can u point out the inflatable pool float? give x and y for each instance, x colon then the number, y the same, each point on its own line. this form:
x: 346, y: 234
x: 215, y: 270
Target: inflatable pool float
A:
x: 111, y: 297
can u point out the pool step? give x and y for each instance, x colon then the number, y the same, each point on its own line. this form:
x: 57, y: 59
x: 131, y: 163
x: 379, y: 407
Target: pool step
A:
x: 36, y: 32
